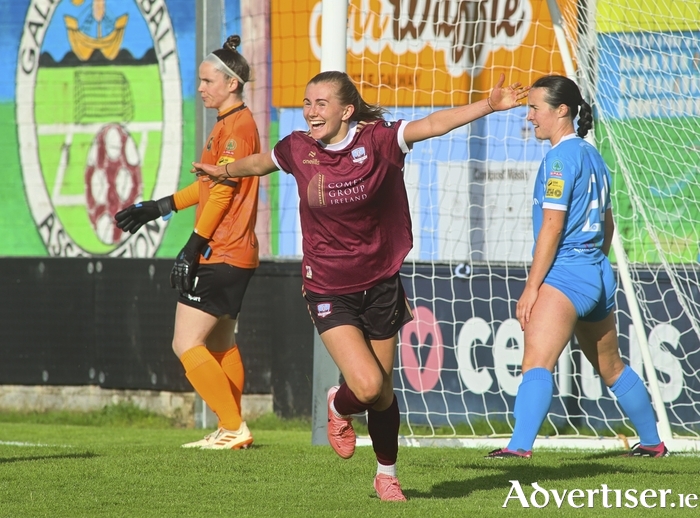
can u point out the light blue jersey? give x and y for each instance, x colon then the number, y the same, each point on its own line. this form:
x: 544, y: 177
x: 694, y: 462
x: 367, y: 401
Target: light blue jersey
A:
x: 573, y: 178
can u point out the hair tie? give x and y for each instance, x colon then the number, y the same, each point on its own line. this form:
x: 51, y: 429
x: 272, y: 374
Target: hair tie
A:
x: 220, y: 65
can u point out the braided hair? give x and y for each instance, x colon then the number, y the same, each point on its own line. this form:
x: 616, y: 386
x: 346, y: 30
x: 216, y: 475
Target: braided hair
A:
x: 562, y: 90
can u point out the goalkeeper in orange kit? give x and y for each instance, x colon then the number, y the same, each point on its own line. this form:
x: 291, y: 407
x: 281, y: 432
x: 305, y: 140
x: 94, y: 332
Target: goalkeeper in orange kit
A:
x: 214, y: 267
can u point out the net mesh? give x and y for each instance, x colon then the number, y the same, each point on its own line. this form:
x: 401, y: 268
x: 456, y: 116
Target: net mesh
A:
x: 470, y: 192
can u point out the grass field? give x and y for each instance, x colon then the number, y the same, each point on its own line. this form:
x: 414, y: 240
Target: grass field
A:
x: 123, y: 462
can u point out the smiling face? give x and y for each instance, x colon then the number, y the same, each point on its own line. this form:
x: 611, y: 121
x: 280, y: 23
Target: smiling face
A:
x: 327, y: 118
x: 216, y: 90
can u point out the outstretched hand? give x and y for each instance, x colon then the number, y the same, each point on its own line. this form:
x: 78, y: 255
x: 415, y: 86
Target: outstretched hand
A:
x: 215, y: 173
x: 505, y: 98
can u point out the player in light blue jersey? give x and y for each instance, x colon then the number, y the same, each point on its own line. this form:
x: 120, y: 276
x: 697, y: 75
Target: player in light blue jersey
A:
x: 571, y: 286
x: 574, y: 179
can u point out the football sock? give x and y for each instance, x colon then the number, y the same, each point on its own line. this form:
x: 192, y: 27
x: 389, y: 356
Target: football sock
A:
x: 210, y: 382
x: 232, y: 365
x: 346, y: 402
x: 531, y: 407
x: 633, y: 397
x: 383, y: 428
x: 383, y: 469
x: 335, y: 412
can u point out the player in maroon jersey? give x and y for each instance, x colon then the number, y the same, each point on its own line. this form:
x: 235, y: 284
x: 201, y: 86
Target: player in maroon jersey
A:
x: 356, y: 230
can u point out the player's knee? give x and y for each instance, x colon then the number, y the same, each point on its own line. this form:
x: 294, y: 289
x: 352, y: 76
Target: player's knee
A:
x: 179, y: 348
x: 610, y: 371
x: 368, y: 389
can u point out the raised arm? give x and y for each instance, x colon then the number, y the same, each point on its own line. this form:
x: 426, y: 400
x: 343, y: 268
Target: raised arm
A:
x: 259, y: 164
x: 443, y: 121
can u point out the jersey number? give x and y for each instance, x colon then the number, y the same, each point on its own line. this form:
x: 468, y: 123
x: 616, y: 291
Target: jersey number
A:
x: 595, y: 213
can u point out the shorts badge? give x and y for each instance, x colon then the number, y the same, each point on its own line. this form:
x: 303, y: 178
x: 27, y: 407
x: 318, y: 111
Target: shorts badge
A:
x: 324, y: 309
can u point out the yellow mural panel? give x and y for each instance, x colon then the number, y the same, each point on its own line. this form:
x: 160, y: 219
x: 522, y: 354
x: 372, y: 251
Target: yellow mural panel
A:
x: 449, y: 53
x: 645, y: 15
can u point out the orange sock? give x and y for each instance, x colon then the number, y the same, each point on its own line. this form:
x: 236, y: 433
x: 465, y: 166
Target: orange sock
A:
x: 210, y: 382
x: 232, y: 365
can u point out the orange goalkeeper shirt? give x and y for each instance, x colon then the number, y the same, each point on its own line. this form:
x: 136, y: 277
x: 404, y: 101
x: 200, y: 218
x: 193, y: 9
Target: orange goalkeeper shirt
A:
x: 227, y: 214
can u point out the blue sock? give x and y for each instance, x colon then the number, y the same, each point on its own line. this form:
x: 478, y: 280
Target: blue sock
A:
x: 633, y: 397
x: 531, y: 407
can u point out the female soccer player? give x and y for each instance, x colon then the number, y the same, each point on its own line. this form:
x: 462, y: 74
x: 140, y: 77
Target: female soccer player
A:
x: 213, y: 269
x: 571, y: 286
x: 356, y: 231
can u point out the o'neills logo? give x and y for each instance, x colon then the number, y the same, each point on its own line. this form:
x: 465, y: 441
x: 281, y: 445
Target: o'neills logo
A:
x: 99, y: 120
x: 312, y: 159
x: 466, y: 31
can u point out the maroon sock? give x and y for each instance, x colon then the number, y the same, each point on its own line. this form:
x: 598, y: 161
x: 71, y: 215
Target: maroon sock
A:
x: 346, y: 403
x: 383, y: 428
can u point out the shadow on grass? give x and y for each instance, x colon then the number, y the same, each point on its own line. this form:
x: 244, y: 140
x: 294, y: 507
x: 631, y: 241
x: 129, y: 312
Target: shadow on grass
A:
x: 526, y: 473
x: 31, y: 458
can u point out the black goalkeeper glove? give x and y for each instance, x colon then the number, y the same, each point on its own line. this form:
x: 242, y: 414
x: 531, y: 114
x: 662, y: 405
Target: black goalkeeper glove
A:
x: 134, y: 217
x: 185, y: 267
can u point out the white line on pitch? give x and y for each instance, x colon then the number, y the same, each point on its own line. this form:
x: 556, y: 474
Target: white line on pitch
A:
x: 18, y: 443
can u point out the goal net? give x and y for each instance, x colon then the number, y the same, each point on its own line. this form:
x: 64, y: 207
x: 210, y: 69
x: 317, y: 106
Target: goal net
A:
x: 640, y: 62
x: 470, y: 193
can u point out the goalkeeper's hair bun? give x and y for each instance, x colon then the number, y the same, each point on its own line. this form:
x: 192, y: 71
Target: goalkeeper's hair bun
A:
x: 232, y: 43
x: 233, y: 59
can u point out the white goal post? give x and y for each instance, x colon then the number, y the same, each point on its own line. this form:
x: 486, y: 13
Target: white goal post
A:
x: 458, y: 362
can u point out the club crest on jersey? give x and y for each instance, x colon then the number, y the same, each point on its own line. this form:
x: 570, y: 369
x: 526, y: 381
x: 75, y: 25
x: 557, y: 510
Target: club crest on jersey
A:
x: 359, y: 155
x: 324, y: 309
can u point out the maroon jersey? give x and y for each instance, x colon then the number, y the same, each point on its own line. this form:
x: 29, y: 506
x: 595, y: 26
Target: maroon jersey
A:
x: 356, y: 226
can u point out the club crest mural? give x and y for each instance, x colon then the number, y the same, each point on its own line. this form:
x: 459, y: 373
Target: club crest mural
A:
x: 99, y: 112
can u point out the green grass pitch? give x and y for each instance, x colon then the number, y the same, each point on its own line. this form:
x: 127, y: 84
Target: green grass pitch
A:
x: 102, y: 465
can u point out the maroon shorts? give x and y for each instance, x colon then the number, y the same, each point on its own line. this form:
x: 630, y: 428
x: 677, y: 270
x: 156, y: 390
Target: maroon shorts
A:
x: 378, y: 312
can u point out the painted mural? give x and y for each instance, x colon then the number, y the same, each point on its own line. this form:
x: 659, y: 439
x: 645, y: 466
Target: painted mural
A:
x: 97, y: 94
x: 432, y: 53
x: 99, y: 122
x: 97, y: 104
x: 650, y: 83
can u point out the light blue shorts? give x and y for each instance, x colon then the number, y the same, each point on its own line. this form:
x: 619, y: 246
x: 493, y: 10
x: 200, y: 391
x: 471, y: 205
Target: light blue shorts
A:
x: 590, y: 288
